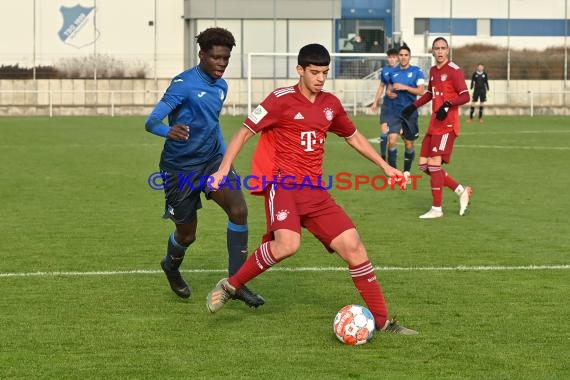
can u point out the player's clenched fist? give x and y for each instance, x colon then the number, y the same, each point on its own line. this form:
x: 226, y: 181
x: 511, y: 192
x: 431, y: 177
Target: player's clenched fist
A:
x: 179, y: 132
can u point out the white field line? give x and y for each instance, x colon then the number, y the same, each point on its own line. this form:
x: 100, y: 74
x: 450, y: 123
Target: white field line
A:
x: 516, y: 147
x: 460, y: 268
x: 506, y: 132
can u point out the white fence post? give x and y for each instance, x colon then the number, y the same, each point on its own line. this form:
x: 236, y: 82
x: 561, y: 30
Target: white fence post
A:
x: 531, y: 103
x: 112, y: 103
x: 50, y: 104
x: 354, y: 102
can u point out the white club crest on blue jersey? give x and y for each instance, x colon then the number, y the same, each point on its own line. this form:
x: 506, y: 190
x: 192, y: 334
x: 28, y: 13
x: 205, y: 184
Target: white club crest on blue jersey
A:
x: 78, y: 28
x: 222, y: 95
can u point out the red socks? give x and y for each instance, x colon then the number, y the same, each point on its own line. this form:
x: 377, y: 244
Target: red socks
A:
x: 258, y: 262
x: 362, y: 275
x: 437, y: 181
x: 449, y: 181
x: 365, y: 281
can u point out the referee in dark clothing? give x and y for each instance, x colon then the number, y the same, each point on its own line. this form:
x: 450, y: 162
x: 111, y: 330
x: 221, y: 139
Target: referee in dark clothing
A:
x: 480, y: 86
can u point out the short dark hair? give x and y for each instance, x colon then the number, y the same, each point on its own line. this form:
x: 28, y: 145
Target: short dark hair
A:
x: 404, y: 47
x: 215, y: 37
x: 313, y: 54
x: 440, y: 39
x: 392, y: 51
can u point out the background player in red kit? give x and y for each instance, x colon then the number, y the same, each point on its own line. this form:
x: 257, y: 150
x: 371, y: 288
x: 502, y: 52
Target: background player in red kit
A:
x: 447, y: 91
x: 294, y: 122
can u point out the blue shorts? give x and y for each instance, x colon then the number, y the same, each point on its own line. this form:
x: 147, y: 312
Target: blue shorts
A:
x: 395, y: 123
x: 182, y: 190
x: 384, y: 113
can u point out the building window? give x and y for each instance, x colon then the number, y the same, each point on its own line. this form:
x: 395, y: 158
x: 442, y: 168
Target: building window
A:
x: 421, y: 25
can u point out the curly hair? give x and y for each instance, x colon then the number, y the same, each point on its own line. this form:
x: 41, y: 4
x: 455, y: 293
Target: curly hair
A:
x: 215, y: 37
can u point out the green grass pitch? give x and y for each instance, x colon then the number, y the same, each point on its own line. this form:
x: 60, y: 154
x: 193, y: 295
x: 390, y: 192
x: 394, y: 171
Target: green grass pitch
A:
x: 82, y: 294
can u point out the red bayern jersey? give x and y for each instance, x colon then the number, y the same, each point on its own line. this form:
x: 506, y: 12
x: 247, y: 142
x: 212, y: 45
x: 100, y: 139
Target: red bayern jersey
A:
x: 445, y: 83
x: 293, y: 134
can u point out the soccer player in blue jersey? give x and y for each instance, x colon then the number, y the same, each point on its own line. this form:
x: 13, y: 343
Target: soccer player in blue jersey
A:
x: 386, y: 100
x: 407, y: 82
x: 193, y: 150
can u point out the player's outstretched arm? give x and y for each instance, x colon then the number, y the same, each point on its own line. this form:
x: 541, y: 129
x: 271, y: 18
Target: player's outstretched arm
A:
x: 362, y: 146
x: 418, y: 90
x: 234, y: 147
x: 424, y: 99
x: 377, y: 96
x: 154, y: 124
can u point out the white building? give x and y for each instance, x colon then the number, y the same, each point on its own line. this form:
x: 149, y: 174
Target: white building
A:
x: 157, y: 37
x: 158, y: 34
x: 521, y: 24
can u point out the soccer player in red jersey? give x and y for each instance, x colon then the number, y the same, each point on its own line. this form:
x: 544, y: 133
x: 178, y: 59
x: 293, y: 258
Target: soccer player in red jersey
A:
x: 447, y: 91
x: 294, y: 122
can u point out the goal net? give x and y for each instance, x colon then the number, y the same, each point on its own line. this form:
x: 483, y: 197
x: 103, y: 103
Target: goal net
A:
x: 353, y: 77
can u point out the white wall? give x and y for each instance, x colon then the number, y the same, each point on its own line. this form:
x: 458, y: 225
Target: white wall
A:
x: 481, y: 9
x: 123, y: 32
x: 138, y: 97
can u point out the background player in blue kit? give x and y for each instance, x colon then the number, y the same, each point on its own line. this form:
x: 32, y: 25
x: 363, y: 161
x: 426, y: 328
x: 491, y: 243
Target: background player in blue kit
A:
x: 392, y: 55
x: 194, y: 148
x: 407, y: 82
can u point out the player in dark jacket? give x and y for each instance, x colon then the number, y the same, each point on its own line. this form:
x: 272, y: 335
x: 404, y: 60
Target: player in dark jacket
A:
x: 480, y: 86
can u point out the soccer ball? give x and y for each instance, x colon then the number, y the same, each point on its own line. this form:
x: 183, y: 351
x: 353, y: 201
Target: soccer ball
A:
x: 354, y: 325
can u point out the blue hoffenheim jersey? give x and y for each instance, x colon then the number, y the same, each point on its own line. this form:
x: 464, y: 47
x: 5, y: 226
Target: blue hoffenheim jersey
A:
x: 413, y: 76
x: 196, y: 100
x: 385, y: 78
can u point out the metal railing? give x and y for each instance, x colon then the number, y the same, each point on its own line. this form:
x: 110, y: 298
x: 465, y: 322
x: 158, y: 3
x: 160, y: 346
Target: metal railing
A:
x: 138, y: 102
x: 528, y: 102
x: 51, y: 99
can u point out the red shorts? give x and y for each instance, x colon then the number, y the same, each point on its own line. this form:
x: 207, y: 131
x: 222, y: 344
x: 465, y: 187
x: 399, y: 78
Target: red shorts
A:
x: 313, y: 209
x: 438, y: 145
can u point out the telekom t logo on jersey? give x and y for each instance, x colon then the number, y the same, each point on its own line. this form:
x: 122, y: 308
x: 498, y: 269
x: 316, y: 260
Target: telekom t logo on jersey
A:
x: 308, y: 139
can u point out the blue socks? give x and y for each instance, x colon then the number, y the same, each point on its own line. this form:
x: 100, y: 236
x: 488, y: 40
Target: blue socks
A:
x: 383, y: 145
x: 409, y: 156
x: 237, y: 246
x: 393, y: 157
x: 237, y: 236
x: 174, y: 253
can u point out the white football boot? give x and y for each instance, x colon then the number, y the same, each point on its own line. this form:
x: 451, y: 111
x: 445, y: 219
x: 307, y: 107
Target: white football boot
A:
x: 432, y: 214
x: 464, y: 199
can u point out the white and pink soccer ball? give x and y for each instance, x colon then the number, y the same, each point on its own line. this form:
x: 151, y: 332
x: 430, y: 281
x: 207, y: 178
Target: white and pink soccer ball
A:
x: 354, y: 325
